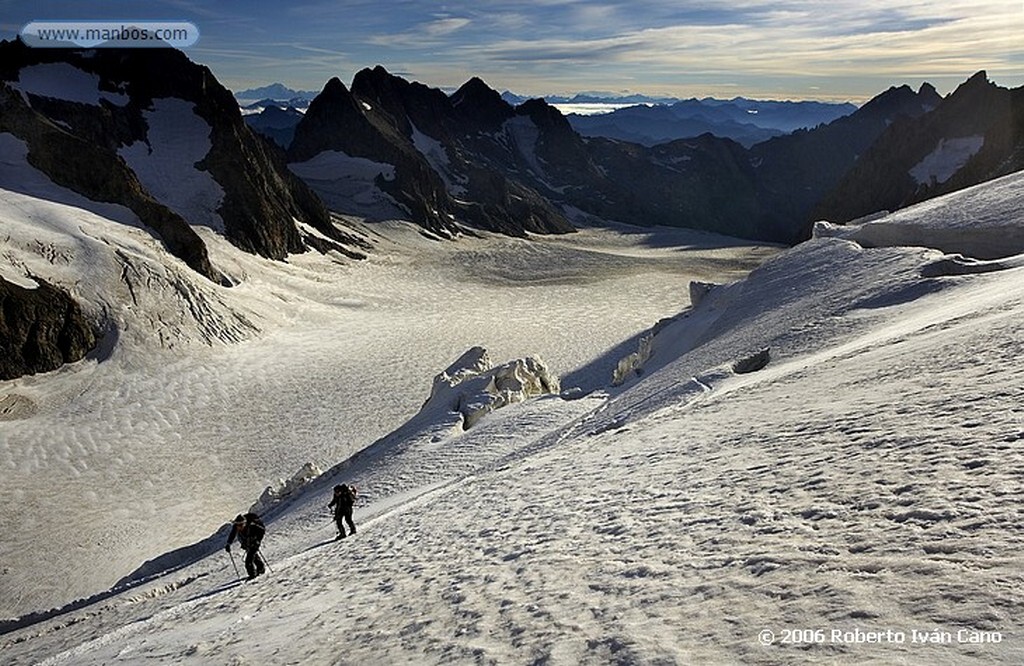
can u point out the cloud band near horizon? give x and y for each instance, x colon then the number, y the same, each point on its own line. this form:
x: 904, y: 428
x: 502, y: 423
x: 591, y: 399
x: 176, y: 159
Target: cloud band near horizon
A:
x: 793, y: 49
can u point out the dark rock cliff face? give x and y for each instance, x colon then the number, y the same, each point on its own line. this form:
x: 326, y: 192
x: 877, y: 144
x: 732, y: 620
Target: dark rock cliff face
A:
x: 261, y: 198
x: 40, y: 329
x: 892, y: 173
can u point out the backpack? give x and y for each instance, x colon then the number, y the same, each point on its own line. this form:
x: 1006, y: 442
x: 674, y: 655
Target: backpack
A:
x: 345, y: 495
x: 255, y: 529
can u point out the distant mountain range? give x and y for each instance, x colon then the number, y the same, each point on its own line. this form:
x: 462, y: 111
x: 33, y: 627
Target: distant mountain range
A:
x: 591, y: 98
x: 743, y: 120
x: 275, y: 122
x: 277, y: 92
x: 446, y: 158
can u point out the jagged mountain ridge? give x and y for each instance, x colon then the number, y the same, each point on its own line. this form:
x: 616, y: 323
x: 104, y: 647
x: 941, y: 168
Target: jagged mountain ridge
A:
x: 383, y: 117
x: 796, y: 171
x: 489, y: 154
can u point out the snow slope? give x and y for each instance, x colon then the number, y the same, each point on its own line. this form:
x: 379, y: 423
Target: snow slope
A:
x: 854, y: 501
x: 201, y: 396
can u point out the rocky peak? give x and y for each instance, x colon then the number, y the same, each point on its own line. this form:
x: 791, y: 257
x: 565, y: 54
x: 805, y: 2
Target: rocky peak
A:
x: 261, y: 199
x: 889, y: 103
x: 559, y: 143
x: 544, y: 116
x: 928, y: 91
x: 334, y: 92
x: 380, y: 88
x: 481, y: 105
x: 977, y: 91
x: 334, y: 100
x: 976, y: 81
x: 333, y: 121
x: 404, y: 104
x: 375, y: 82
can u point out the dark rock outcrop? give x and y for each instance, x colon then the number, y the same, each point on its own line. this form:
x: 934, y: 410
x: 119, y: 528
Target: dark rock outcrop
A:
x: 40, y: 329
x: 752, y: 363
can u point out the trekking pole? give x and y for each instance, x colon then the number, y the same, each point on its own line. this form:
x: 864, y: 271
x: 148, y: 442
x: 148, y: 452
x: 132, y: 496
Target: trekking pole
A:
x: 259, y: 551
x: 237, y: 575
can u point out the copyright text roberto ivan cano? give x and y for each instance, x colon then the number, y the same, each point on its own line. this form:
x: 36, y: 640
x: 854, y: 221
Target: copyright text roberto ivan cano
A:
x: 858, y: 636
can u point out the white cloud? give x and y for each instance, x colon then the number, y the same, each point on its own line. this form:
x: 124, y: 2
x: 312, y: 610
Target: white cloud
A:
x: 444, y: 26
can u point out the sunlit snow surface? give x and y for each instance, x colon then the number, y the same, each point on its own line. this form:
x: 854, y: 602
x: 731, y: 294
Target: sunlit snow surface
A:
x: 158, y: 443
x: 867, y: 480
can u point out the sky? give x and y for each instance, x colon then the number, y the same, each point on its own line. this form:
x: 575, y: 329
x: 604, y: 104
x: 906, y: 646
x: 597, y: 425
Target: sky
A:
x: 783, y: 49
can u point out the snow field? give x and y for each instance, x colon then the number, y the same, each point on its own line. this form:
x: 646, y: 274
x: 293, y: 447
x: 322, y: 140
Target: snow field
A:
x: 865, y: 481
x: 173, y: 425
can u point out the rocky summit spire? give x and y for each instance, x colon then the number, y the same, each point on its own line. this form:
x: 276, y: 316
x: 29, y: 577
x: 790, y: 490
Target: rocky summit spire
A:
x: 480, y: 104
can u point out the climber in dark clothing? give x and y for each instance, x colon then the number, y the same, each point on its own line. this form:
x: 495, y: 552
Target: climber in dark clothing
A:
x: 344, y: 498
x: 250, y: 530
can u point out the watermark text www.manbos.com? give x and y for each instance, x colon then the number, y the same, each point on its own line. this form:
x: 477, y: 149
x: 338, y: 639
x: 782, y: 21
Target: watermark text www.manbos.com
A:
x: 109, y: 34
x: 857, y: 636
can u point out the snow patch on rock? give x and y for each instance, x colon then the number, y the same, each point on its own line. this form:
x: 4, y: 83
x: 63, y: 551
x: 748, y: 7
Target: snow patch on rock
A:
x: 948, y: 157
x: 348, y: 184
x: 436, y: 155
x: 165, y: 163
x: 472, y: 388
x: 61, y: 80
x: 523, y: 134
